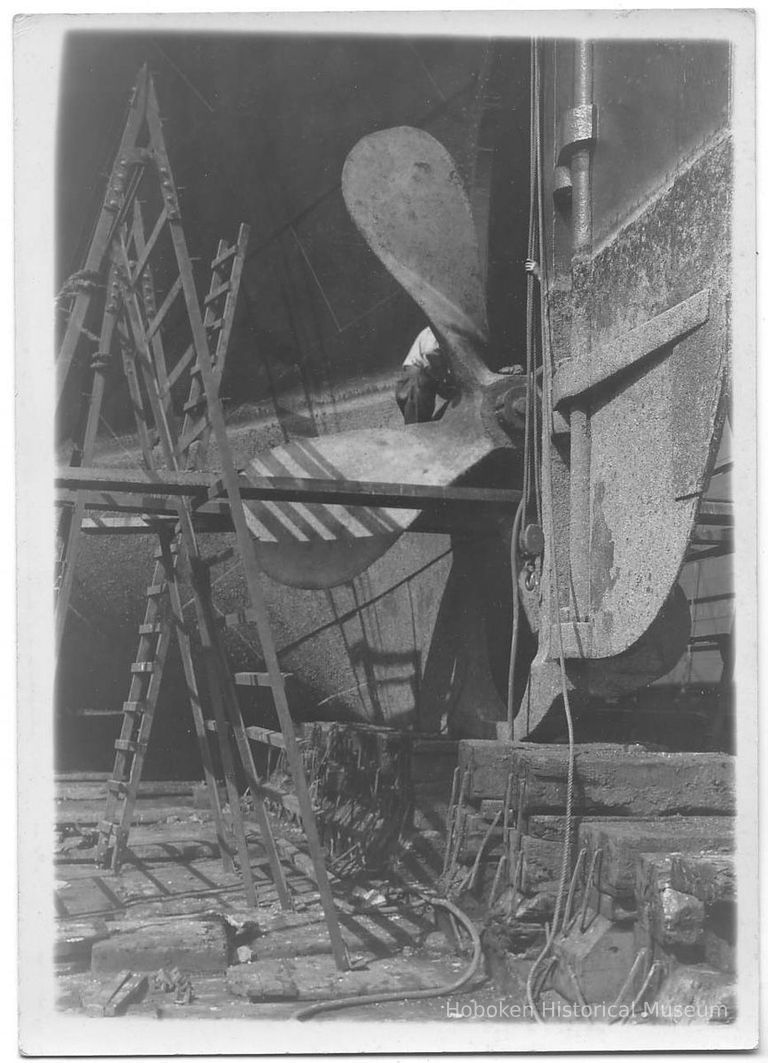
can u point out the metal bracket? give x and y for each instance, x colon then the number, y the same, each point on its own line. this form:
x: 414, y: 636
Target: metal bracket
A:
x: 562, y: 186
x: 576, y: 131
x: 608, y: 362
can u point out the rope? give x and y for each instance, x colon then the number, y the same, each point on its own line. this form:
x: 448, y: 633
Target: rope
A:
x: 515, y: 615
x: 410, y: 994
x: 543, y: 289
x: 531, y: 451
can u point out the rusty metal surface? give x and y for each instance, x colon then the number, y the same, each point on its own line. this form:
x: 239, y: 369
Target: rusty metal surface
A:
x: 653, y: 438
x: 657, y: 102
x: 640, y: 347
x: 574, y: 378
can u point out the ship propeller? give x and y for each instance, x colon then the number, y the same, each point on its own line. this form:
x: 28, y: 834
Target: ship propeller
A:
x: 403, y: 192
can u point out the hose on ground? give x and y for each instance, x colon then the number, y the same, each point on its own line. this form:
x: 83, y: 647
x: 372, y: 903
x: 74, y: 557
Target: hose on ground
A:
x: 409, y: 994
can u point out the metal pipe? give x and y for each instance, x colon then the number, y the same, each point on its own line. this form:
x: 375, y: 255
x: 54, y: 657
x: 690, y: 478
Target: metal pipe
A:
x: 581, y: 217
x: 581, y: 238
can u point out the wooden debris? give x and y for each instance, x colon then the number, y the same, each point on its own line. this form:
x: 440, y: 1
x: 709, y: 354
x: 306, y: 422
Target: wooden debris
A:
x: 621, y: 840
x: 153, y: 810
x: 318, y: 978
x: 76, y: 938
x: 666, y: 917
x: 308, y: 940
x: 542, y: 862
x: 114, y: 997
x: 710, y: 876
x: 176, y: 982
x: 70, y: 788
x: 610, y: 779
x: 190, y: 945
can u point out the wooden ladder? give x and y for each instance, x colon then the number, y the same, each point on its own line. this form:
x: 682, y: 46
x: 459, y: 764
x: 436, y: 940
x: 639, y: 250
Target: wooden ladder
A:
x: 171, y: 444
x: 163, y: 615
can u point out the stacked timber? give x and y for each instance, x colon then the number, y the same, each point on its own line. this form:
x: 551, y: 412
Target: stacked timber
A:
x: 377, y: 792
x: 648, y: 861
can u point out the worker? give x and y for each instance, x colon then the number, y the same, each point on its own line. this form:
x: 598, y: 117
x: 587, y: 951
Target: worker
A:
x: 426, y: 374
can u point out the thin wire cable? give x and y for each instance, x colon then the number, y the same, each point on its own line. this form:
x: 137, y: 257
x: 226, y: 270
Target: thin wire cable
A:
x: 536, y: 136
x: 530, y: 445
x: 547, y: 354
x: 515, y: 615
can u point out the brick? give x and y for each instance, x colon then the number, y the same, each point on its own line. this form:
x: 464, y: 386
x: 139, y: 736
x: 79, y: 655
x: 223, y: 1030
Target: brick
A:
x: 610, y: 779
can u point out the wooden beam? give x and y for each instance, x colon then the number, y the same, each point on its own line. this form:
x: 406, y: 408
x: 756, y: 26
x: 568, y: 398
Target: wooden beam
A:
x: 283, y: 488
x: 610, y: 779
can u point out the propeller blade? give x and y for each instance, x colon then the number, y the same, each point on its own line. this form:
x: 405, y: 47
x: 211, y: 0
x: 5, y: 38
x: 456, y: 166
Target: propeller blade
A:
x: 405, y: 196
x: 315, y: 545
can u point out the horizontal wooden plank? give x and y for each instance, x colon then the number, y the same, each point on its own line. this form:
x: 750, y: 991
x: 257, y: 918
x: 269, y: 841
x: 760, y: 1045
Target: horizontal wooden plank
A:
x: 282, y: 488
x: 266, y: 737
x: 140, y: 515
x: 610, y: 779
x: 256, y: 734
x: 79, y: 789
x: 621, y: 841
x: 257, y: 679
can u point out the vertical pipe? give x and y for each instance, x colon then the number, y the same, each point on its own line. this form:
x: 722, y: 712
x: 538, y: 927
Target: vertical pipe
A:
x: 581, y: 234
x: 581, y: 218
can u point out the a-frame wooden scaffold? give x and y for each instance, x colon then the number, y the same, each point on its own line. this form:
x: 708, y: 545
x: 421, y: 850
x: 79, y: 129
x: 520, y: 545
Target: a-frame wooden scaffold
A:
x: 177, y: 412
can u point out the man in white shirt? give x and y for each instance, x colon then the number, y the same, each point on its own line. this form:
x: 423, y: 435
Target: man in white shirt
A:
x: 426, y: 374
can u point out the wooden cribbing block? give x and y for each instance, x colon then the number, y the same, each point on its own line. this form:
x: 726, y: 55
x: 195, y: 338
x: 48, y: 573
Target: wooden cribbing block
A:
x: 542, y: 862
x: 190, y: 945
x: 549, y: 827
x: 76, y: 937
x: 318, y: 978
x: 610, y: 779
x: 620, y: 840
x: 114, y: 996
x: 710, y: 876
x: 666, y: 917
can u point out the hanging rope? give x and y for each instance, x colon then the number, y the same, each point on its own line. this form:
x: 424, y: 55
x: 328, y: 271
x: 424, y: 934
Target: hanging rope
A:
x: 534, y: 987
x: 531, y: 452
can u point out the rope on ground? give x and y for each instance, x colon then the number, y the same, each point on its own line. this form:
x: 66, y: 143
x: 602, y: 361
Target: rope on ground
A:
x: 410, y: 994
